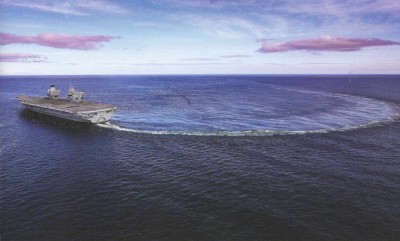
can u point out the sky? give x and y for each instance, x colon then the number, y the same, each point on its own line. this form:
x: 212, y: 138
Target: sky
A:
x: 111, y: 37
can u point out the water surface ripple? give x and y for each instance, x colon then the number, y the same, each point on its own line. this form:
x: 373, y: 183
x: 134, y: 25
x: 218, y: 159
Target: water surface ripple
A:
x: 77, y: 183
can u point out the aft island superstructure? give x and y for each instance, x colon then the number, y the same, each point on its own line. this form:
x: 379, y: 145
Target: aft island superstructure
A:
x: 73, y: 108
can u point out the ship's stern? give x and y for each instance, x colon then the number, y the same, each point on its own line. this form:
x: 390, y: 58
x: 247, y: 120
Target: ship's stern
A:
x: 99, y: 116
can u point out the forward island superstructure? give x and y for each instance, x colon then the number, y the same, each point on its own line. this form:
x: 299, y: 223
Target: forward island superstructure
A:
x: 73, y: 108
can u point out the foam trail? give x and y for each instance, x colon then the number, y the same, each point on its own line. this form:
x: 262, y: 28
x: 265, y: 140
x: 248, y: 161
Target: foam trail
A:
x: 249, y: 132
x: 226, y: 116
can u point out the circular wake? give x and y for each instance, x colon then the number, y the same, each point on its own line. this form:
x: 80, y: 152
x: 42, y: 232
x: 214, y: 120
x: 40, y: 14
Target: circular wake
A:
x: 243, y: 133
x: 244, y: 109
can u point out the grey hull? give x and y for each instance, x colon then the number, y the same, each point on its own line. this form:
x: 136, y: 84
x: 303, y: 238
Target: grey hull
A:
x: 86, y: 112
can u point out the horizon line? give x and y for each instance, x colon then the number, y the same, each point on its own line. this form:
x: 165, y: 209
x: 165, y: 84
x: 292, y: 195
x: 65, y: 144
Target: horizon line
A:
x: 33, y: 75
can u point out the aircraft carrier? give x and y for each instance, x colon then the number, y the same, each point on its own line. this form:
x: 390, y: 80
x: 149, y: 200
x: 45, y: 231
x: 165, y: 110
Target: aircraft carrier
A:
x: 73, y: 108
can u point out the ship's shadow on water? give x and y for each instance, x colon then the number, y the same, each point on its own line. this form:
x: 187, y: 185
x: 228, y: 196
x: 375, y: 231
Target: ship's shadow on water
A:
x: 55, y: 122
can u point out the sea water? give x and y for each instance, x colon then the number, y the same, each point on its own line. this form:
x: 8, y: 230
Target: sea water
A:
x: 205, y: 158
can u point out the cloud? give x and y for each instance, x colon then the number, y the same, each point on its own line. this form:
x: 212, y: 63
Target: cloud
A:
x: 342, y: 8
x: 101, y: 6
x: 56, y: 40
x: 236, y: 56
x: 72, y: 7
x: 206, y: 3
x: 199, y: 59
x: 173, y: 64
x: 325, y: 43
x: 21, y: 57
x: 223, y: 26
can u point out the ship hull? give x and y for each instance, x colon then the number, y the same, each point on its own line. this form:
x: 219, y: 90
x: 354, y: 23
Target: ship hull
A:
x: 82, y: 114
x: 96, y: 117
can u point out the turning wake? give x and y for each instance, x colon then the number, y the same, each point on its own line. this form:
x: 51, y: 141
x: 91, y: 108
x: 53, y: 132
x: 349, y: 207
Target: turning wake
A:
x: 246, y: 132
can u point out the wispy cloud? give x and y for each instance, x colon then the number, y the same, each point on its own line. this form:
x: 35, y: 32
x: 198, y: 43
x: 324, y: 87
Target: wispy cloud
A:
x: 151, y: 64
x: 21, y: 57
x: 309, y: 7
x: 46, y: 6
x: 223, y: 26
x: 55, y: 40
x: 199, y: 59
x: 206, y: 3
x: 342, y: 8
x: 369, y: 17
x: 325, y: 43
x: 100, y: 5
x: 236, y: 56
x: 71, y: 7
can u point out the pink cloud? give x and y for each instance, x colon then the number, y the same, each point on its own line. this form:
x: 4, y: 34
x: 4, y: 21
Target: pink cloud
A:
x: 17, y: 57
x: 325, y: 43
x: 56, y: 40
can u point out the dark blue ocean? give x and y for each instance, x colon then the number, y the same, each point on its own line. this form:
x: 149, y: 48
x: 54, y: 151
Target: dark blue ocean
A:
x: 205, y: 158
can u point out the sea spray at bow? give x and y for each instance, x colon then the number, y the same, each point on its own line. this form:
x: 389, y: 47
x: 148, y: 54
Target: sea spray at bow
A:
x: 229, y: 108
